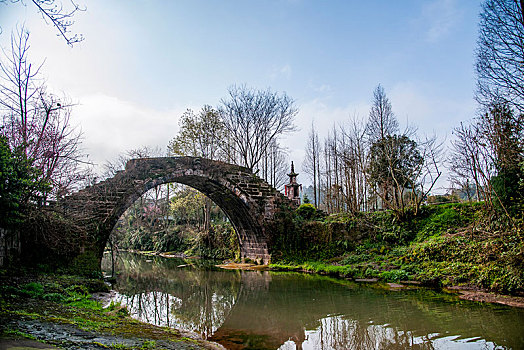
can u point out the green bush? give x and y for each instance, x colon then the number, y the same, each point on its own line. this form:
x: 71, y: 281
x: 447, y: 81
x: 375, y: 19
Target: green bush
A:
x: 355, y: 258
x: 508, y: 187
x: 440, y: 223
x: 19, y: 184
x: 438, y: 247
x: 306, y: 211
x: 371, y: 273
x: 500, y: 278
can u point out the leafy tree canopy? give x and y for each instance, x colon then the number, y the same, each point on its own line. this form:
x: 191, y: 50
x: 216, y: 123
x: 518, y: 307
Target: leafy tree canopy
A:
x: 394, y: 159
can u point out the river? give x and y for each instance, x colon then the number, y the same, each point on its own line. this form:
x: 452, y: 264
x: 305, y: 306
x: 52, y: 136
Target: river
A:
x: 286, y: 310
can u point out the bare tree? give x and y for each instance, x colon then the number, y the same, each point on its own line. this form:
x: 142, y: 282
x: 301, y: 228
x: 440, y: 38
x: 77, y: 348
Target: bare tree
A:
x: 500, y: 53
x: 382, y: 122
x: 354, y: 162
x: 504, y: 132
x: 311, y: 165
x: 489, y: 153
x: 394, y: 165
x: 328, y: 177
x: 111, y: 167
x: 466, y: 162
x: 201, y: 135
x: 401, y: 170
x: 332, y: 185
x: 374, y: 166
x: 431, y: 151
x: 151, y: 210
x: 253, y: 119
x: 275, y: 165
x: 58, y: 15
x: 38, y: 122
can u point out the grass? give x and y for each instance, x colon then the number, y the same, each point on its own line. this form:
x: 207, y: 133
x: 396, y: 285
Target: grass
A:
x: 14, y: 333
x: 316, y: 267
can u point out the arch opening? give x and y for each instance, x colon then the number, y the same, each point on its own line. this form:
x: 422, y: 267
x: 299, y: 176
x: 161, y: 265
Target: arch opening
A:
x: 211, y: 178
x: 151, y: 223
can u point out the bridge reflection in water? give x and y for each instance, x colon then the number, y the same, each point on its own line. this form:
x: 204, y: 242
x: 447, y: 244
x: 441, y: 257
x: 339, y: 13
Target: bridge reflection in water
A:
x: 262, y: 310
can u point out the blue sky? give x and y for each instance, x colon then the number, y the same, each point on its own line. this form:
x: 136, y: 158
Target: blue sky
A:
x: 142, y: 63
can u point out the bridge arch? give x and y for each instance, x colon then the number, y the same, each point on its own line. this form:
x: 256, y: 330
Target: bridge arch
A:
x: 249, y: 202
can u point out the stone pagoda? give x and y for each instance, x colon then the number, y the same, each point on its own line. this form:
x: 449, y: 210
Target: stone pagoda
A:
x: 292, y: 189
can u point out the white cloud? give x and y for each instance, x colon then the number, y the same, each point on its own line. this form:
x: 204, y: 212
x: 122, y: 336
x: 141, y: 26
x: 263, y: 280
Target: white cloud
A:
x: 320, y: 88
x: 112, y: 126
x: 286, y: 71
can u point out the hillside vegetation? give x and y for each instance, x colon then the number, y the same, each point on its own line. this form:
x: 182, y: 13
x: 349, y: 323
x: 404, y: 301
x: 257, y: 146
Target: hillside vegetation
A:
x: 445, y: 245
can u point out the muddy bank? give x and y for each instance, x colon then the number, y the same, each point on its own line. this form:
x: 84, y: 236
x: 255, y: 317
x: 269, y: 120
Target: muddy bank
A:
x: 473, y: 294
x: 70, y: 337
x: 23, y: 343
x: 243, y: 266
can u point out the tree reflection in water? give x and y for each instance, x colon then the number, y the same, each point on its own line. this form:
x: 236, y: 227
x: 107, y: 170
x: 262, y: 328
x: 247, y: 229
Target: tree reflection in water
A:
x: 339, y: 333
x: 263, y: 310
x: 194, y: 298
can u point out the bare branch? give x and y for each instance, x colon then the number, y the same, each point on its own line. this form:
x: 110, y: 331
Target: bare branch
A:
x: 253, y: 119
x: 60, y: 16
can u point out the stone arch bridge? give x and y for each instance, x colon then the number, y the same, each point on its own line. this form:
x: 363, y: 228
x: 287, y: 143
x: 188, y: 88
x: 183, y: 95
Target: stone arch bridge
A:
x: 249, y: 202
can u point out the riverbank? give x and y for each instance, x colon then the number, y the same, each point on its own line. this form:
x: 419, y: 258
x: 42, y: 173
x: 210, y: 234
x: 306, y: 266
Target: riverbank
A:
x: 390, y: 280
x: 464, y: 292
x: 459, y: 246
x: 264, y: 310
x: 61, y: 311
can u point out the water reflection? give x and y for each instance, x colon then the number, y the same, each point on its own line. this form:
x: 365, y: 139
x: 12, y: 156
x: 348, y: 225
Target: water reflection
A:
x: 189, y: 295
x: 339, y: 333
x: 261, y: 310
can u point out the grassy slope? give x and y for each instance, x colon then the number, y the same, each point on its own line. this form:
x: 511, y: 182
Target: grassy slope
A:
x: 448, y: 245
